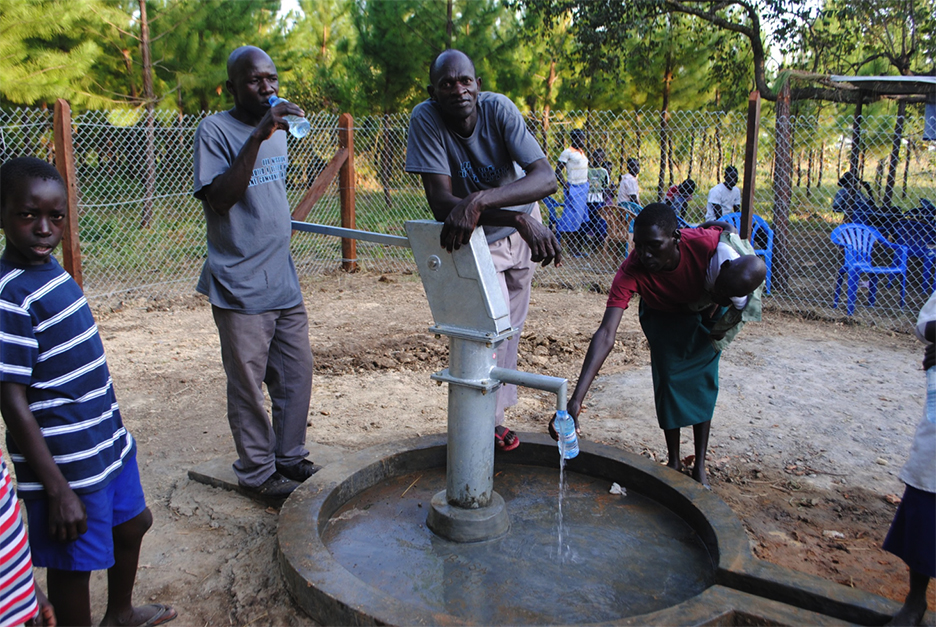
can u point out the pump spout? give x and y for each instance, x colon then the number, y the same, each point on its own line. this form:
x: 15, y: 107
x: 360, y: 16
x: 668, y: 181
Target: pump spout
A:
x: 556, y: 385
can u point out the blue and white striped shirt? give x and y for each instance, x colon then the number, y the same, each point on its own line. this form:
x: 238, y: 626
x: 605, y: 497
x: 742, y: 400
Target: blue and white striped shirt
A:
x: 50, y: 343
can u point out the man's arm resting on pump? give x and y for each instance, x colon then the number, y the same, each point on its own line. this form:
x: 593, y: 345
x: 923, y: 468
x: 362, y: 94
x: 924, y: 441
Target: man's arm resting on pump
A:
x: 539, y: 182
x: 484, y: 207
x: 598, y: 350
x: 67, y: 518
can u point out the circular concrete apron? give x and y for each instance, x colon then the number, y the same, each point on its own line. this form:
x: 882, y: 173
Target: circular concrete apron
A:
x: 354, y: 546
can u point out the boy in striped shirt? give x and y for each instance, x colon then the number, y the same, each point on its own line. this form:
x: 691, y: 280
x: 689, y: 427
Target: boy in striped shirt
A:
x: 75, y: 462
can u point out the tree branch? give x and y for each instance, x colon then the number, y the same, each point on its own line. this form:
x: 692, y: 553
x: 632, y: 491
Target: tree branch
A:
x: 753, y: 34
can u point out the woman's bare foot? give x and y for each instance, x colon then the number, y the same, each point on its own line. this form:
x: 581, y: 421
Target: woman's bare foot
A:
x: 699, y: 474
x: 678, y: 466
x: 914, y: 607
x: 909, y: 614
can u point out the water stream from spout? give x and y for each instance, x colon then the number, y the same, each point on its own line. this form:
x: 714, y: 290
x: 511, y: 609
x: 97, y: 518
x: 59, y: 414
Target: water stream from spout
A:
x: 562, y: 462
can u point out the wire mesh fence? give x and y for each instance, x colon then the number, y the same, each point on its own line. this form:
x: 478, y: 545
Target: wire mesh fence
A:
x: 142, y: 233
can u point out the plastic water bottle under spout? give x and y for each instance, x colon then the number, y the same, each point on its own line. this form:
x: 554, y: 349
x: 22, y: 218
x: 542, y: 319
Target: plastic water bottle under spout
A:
x: 299, y: 127
x: 568, y: 439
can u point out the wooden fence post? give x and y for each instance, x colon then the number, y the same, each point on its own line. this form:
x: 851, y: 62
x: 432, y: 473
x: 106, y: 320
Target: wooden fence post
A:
x: 750, y: 162
x: 65, y: 164
x: 346, y: 191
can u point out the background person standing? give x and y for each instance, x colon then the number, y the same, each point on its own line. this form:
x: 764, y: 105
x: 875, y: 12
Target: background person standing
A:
x: 629, y: 189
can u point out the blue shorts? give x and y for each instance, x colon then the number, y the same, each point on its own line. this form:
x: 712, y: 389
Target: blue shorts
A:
x: 119, y: 501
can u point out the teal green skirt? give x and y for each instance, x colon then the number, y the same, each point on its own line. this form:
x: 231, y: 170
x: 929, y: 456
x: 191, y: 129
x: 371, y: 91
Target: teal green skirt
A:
x: 684, y: 365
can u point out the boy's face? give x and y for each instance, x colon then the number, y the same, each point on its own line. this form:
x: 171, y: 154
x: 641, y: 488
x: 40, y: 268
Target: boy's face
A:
x: 33, y: 220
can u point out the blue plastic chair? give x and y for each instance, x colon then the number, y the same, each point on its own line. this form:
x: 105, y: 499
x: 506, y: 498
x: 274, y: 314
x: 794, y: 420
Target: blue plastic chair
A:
x: 858, y: 242
x: 920, y: 239
x: 551, y: 205
x: 760, y: 231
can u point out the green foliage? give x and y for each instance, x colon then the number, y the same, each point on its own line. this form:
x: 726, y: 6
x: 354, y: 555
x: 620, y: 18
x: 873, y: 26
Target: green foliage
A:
x: 46, y: 51
x: 192, y: 60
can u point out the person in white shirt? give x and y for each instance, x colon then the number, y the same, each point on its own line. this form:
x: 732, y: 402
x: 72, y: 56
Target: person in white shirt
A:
x: 724, y: 197
x: 629, y: 190
x: 574, y: 210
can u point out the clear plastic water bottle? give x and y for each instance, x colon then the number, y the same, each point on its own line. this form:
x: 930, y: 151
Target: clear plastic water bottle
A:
x: 299, y: 127
x: 568, y: 440
x: 931, y: 394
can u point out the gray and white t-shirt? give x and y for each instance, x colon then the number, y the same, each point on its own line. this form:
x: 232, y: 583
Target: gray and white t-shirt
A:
x: 493, y: 156
x: 249, y: 266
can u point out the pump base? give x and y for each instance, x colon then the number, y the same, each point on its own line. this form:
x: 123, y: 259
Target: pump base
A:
x: 468, y: 525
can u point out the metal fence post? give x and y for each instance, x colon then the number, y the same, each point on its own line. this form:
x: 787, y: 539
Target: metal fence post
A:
x: 750, y: 162
x: 65, y: 164
x: 346, y: 191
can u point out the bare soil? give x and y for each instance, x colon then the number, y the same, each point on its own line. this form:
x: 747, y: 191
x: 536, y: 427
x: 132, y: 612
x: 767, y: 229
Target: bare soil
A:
x: 813, y: 423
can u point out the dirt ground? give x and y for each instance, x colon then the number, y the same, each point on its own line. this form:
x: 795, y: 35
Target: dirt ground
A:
x: 813, y: 423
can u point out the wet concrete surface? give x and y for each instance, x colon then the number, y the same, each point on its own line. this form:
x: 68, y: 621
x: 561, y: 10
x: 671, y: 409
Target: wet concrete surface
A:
x: 618, y: 556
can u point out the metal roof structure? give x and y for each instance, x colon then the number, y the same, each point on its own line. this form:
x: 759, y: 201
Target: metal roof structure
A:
x: 891, y: 85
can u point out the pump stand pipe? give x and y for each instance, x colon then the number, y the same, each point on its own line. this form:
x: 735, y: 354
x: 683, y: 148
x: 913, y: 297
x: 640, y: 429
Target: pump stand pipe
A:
x: 556, y: 385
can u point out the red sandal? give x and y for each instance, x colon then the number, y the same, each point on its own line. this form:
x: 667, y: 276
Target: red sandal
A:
x: 505, y: 439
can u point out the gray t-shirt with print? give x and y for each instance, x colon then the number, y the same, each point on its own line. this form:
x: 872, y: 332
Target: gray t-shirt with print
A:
x: 249, y: 267
x: 494, y: 155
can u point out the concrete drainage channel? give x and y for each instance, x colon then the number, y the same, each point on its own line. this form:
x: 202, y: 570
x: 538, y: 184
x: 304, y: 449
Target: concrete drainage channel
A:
x: 354, y: 548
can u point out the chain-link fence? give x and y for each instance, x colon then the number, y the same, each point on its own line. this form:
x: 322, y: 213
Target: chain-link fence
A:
x: 142, y: 232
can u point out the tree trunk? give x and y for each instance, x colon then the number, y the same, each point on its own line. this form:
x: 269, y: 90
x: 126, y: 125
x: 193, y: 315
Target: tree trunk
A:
x: 149, y: 182
x: 799, y: 169
x: 638, y: 138
x: 838, y: 168
x: 895, y: 154
x: 782, y: 190
x: 909, y: 151
x: 691, y: 155
x: 546, y: 106
x: 878, y: 176
x: 855, y: 156
x: 449, y: 24
x: 821, y: 166
x: 386, y: 161
x: 664, y: 133
x: 718, y: 151
x: 809, y: 167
